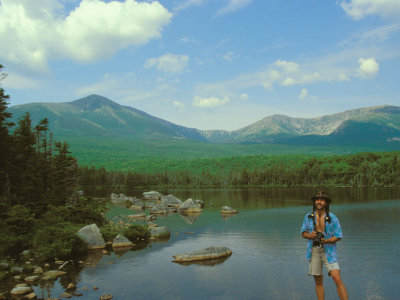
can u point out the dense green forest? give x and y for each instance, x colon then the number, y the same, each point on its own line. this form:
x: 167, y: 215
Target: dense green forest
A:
x: 379, y: 169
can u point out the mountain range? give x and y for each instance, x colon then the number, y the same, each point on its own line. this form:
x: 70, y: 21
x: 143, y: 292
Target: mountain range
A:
x: 96, y: 122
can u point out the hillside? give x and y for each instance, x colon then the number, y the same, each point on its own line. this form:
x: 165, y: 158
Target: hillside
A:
x: 104, y: 133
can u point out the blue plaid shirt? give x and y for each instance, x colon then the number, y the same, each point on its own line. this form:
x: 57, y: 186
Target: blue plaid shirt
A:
x: 332, y: 229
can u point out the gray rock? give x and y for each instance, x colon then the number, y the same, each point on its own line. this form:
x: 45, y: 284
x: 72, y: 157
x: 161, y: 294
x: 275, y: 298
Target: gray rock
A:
x: 106, y: 297
x: 38, y: 270
x: 30, y: 296
x: 226, y: 210
x: 121, y: 241
x: 159, y: 232
x: 160, y: 209
x: 200, y: 203
x: 204, y: 254
x: 4, y: 265
x: 31, y: 278
x: 21, y: 290
x: 92, y: 236
x: 54, y: 273
x: 189, y: 207
x: 16, y: 270
x: 171, y: 201
x: 152, y: 195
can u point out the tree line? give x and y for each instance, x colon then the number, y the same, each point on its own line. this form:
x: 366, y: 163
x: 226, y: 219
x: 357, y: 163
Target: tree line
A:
x: 378, y: 169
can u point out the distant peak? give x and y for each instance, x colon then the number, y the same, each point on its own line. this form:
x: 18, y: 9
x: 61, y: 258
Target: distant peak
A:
x: 93, y: 102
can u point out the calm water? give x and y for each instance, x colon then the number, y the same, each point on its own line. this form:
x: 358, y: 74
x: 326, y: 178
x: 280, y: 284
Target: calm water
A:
x: 268, y: 260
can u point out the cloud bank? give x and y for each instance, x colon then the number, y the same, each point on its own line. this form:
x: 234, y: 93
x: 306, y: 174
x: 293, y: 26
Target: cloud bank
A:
x: 33, y: 32
x: 209, y: 102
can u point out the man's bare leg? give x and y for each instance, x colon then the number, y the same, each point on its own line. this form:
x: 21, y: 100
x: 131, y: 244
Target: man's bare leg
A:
x: 341, y: 288
x: 319, y: 287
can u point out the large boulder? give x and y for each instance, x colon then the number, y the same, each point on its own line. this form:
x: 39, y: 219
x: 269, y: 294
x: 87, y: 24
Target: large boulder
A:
x: 161, y: 232
x: 171, y: 201
x: 152, y: 195
x: 92, y: 236
x: 204, y: 254
x: 122, y: 199
x: 189, y: 207
x: 160, y: 209
x: 121, y: 241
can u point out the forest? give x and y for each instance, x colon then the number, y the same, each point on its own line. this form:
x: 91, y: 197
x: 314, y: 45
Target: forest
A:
x: 367, y: 169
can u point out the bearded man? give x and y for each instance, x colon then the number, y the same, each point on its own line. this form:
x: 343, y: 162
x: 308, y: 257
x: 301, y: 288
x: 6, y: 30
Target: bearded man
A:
x: 322, y: 230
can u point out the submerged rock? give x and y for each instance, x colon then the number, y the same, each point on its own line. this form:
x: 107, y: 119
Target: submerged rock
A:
x: 226, y: 210
x: 204, y: 254
x: 54, y: 273
x: 92, y: 236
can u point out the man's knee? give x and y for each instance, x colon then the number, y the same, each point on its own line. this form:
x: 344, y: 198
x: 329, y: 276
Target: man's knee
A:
x: 335, y: 274
x: 318, y: 279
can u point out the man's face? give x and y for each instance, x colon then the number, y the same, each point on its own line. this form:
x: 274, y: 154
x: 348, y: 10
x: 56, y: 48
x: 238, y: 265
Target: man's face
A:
x: 320, y: 203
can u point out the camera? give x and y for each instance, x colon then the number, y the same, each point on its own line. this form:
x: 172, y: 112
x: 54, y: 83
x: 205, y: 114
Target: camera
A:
x: 317, y: 240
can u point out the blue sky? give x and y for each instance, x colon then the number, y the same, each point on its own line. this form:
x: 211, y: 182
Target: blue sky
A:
x: 207, y: 64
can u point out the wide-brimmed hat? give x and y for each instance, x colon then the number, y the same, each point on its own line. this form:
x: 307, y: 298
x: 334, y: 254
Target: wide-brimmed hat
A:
x: 321, y: 195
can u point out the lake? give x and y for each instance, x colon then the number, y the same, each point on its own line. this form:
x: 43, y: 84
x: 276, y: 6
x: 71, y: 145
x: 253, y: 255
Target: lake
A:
x: 268, y: 260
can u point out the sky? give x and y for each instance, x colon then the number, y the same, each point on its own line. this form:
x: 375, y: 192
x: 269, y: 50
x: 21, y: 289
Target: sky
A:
x: 205, y: 64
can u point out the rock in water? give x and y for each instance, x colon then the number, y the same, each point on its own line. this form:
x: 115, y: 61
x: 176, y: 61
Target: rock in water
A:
x: 226, y: 210
x: 21, y: 289
x: 189, y: 207
x: 121, y: 241
x: 92, y: 236
x: 161, y: 232
x: 204, y: 254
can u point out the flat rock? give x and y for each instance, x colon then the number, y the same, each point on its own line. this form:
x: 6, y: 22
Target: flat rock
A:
x: 106, y: 297
x: 137, y: 216
x: 21, y: 290
x: 16, y: 270
x: 66, y: 295
x: 30, y: 296
x: 31, y: 278
x: 54, y: 273
x: 152, y: 195
x: 204, y: 254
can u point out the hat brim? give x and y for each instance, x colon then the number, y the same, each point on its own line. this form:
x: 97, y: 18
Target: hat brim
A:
x: 325, y: 198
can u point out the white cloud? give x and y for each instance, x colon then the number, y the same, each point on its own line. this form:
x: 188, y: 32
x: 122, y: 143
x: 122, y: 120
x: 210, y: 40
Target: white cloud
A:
x: 244, y: 96
x: 189, y: 3
x: 209, y: 102
x: 303, y: 94
x: 14, y: 81
x: 287, y: 66
x: 368, y: 68
x: 179, y: 105
x: 234, y: 5
x: 230, y: 56
x: 288, y: 81
x: 358, y: 9
x: 32, y: 32
x: 169, y: 63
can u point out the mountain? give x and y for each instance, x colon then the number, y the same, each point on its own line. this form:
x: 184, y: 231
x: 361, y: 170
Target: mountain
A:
x: 100, y: 117
x: 102, y: 132
x: 357, y: 126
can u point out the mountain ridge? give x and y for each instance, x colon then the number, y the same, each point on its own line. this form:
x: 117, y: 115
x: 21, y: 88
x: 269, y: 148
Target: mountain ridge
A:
x: 98, y: 116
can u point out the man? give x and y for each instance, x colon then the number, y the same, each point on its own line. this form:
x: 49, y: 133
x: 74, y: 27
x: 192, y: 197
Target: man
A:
x: 322, y: 230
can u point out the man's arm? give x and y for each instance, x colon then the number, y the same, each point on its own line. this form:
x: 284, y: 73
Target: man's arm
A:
x: 331, y: 240
x: 309, y: 235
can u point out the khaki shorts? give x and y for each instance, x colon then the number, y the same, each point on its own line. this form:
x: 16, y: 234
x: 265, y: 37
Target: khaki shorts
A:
x: 318, y: 258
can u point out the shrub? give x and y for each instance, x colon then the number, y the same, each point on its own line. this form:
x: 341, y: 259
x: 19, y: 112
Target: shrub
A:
x: 59, y: 241
x: 85, y: 216
x: 109, y: 232
x: 135, y: 232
